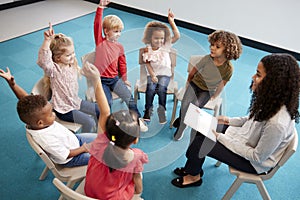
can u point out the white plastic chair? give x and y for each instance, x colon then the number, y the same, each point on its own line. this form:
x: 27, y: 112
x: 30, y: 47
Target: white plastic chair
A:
x: 71, y: 175
x: 39, y: 88
x: 215, y: 105
x: 69, y: 194
x: 243, y: 177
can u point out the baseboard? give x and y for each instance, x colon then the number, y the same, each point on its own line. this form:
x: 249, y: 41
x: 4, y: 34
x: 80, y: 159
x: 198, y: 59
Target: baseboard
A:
x: 17, y: 3
x: 202, y: 29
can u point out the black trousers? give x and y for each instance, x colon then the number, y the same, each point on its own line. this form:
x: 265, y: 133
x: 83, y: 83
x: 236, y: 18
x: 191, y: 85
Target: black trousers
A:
x: 200, y: 147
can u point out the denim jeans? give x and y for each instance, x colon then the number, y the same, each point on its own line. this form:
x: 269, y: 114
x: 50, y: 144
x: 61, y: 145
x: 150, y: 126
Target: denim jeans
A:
x: 83, y: 158
x: 159, y: 88
x: 117, y: 86
x: 87, y: 116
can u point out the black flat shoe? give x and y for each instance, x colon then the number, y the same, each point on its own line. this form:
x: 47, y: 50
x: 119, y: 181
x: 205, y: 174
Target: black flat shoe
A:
x: 179, y: 180
x: 179, y: 171
x: 176, y: 122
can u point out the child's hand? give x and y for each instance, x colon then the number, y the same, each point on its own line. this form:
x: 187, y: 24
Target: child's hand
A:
x: 171, y: 15
x: 103, y: 3
x: 91, y: 72
x: 127, y: 83
x: 7, y: 75
x: 48, y: 35
x: 86, y: 147
x: 154, y: 79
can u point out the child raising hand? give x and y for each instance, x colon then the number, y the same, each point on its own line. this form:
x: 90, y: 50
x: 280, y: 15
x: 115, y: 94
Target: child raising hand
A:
x: 57, y: 58
x: 158, y: 40
x: 114, y: 169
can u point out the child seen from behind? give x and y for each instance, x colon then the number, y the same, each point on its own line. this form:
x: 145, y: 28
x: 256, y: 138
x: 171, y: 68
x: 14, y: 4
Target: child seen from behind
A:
x: 114, y: 170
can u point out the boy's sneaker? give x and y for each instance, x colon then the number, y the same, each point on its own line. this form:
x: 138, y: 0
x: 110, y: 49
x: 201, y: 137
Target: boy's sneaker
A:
x: 176, y: 122
x: 178, y: 135
x: 143, y: 125
x: 147, y: 115
x: 161, y: 115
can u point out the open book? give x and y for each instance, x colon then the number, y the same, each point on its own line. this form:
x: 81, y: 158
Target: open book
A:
x: 201, y: 121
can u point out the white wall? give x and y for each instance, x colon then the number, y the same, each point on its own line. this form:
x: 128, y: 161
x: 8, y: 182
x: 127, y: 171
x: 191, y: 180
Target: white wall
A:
x: 273, y: 22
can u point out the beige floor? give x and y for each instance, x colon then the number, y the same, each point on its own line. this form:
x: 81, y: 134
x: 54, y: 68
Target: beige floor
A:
x: 21, y: 20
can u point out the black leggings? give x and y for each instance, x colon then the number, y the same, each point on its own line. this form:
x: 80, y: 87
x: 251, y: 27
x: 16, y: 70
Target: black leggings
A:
x: 201, y: 147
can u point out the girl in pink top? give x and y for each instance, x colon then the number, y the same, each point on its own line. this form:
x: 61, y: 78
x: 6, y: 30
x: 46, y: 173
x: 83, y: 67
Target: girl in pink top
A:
x: 57, y: 58
x: 114, y: 169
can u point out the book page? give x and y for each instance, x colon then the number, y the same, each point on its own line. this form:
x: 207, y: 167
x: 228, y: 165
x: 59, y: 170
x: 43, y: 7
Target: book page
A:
x: 201, y: 121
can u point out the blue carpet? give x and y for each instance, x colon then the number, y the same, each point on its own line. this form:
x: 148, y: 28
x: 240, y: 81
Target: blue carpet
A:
x: 20, y: 167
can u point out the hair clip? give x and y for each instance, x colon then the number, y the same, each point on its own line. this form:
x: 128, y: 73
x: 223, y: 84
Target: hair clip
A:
x: 117, y: 123
x: 113, y: 138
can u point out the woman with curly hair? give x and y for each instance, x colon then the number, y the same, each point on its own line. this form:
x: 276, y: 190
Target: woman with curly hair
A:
x: 255, y: 143
x: 207, y: 79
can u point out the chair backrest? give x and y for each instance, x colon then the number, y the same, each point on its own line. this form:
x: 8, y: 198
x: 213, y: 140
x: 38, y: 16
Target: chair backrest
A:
x: 290, y: 150
x: 89, y: 94
x: 43, y: 155
x: 39, y: 88
x: 194, y: 59
x: 68, y: 193
x: 143, y: 72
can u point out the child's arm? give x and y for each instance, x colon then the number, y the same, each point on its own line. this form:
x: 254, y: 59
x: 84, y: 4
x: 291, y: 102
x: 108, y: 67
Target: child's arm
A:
x: 151, y: 72
x: 91, y: 72
x: 98, y: 21
x: 176, y: 33
x: 138, y: 183
x: 48, y: 35
x: 82, y: 149
x: 191, y: 74
x: 19, y: 92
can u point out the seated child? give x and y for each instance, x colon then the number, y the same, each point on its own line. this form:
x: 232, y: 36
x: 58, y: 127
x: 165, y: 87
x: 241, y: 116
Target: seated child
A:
x: 114, y: 169
x: 62, y: 146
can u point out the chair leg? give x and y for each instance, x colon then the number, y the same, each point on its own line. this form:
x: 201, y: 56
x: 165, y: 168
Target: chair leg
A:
x: 263, y: 191
x: 173, y: 111
x: 218, y: 163
x: 233, y: 188
x: 136, y: 95
x: 44, y: 174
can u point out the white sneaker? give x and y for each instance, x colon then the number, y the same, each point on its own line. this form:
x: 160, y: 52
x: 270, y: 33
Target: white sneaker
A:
x: 143, y: 125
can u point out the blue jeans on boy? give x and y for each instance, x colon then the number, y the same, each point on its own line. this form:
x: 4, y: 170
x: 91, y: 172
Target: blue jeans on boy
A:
x: 83, y: 158
x: 159, y: 88
x: 87, y: 116
x: 117, y: 86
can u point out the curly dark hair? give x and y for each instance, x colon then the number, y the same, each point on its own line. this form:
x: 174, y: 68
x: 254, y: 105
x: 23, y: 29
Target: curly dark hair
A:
x: 156, y: 26
x: 29, y: 106
x: 279, y: 87
x: 232, y: 43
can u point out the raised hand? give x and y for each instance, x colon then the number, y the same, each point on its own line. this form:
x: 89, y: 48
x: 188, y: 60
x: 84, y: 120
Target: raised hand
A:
x: 91, y: 72
x: 171, y: 15
x: 104, y: 3
x: 48, y: 35
x: 7, y: 75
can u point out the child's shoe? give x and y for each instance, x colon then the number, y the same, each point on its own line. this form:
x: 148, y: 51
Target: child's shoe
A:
x: 143, y: 125
x: 147, y: 115
x: 161, y: 115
